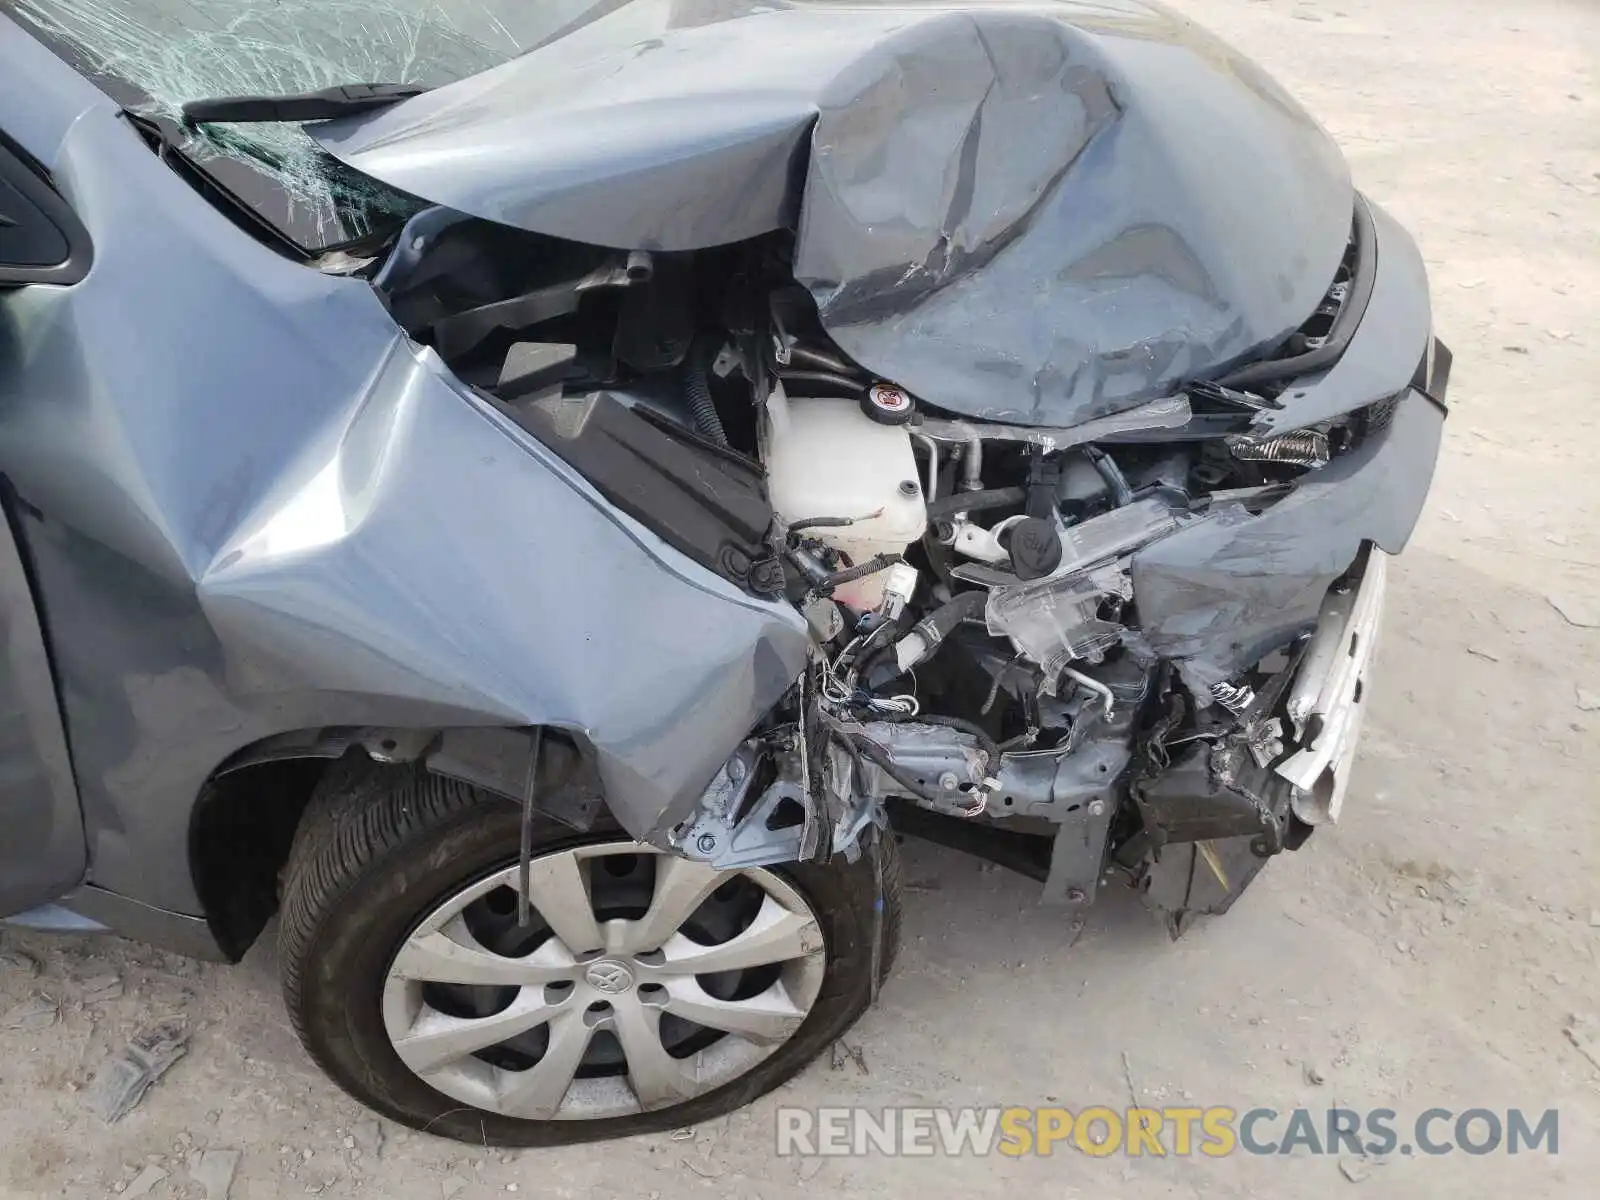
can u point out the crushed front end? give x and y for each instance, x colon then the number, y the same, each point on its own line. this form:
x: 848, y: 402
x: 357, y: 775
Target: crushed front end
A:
x: 1136, y: 649
x: 1086, y: 518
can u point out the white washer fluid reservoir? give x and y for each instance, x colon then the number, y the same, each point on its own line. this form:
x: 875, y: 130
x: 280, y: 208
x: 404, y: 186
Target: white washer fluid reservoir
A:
x: 827, y: 458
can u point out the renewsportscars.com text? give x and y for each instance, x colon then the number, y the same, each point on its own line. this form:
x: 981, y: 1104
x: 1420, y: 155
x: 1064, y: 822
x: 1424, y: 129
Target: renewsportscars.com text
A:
x: 1213, y: 1132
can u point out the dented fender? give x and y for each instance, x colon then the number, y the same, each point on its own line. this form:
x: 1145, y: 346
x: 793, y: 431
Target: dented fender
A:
x: 266, y: 510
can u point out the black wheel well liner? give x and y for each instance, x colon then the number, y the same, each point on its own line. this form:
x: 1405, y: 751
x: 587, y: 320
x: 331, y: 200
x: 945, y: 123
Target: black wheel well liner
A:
x: 243, y: 823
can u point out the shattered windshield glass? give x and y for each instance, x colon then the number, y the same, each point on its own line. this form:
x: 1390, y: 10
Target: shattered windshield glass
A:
x: 152, y: 56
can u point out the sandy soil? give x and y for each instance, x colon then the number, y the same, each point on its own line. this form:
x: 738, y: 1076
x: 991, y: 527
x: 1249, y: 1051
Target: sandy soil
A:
x: 1429, y: 951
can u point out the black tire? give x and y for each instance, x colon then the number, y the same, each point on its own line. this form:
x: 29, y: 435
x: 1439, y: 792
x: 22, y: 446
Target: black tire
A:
x: 380, y: 847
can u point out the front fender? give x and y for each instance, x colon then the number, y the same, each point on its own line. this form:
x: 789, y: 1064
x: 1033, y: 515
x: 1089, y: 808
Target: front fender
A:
x: 425, y: 547
x: 253, y: 506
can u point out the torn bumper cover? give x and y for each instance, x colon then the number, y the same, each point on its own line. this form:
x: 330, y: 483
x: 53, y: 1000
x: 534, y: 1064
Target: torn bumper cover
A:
x: 1221, y: 594
x: 1218, y: 812
x: 1230, y: 591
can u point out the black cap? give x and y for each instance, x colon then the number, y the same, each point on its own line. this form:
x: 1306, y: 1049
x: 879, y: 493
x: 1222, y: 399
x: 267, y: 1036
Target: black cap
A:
x: 887, y: 404
x: 1035, y: 548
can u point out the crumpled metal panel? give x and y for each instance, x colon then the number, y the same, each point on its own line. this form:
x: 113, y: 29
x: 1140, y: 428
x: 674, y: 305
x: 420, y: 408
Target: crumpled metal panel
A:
x: 1221, y: 594
x: 1037, y: 212
x: 252, y: 506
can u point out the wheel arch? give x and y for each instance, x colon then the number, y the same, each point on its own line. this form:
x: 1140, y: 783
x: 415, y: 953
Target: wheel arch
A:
x: 243, y: 822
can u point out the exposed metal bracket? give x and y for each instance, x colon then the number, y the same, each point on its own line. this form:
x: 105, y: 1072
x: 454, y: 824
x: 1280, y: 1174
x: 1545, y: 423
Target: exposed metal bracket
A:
x: 728, y: 832
x: 1053, y: 786
x: 1077, y: 856
x: 1326, y: 701
x: 751, y: 841
x: 731, y: 831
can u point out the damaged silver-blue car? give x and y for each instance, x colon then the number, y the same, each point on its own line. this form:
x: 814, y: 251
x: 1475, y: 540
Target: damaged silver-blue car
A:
x: 540, y: 496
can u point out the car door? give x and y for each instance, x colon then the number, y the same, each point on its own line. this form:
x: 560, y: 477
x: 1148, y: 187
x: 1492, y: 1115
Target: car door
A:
x: 42, y: 850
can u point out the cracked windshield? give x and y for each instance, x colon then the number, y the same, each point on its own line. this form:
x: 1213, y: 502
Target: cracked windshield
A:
x: 154, y: 55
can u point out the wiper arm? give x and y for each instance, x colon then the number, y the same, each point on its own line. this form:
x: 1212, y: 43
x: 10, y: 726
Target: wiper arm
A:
x: 332, y: 102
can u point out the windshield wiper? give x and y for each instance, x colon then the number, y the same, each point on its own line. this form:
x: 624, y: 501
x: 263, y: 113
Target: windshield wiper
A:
x: 332, y: 102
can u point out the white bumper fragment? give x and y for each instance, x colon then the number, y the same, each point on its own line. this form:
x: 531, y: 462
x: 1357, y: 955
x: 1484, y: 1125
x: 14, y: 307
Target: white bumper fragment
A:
x: 1329, y: 696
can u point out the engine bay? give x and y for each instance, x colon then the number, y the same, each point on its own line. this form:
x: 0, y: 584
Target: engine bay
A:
x: 983, y: 669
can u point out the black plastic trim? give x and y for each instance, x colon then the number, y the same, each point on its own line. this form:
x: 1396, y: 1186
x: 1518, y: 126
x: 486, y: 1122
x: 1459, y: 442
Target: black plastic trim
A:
x: 706, y: 501
x: 34, y: 215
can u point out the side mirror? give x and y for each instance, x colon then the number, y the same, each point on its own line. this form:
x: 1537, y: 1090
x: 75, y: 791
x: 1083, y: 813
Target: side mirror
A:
x: 41, y: 238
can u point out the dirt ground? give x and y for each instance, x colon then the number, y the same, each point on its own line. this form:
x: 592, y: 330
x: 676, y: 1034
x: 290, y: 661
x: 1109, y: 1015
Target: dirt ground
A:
x: 1431, y: 950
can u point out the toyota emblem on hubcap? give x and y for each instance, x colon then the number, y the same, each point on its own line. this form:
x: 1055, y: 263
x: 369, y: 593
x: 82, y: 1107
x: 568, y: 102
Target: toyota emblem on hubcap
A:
x: 609, y: 976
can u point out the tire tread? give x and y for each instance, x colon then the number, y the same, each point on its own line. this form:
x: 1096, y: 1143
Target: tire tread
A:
x: 357, y: 815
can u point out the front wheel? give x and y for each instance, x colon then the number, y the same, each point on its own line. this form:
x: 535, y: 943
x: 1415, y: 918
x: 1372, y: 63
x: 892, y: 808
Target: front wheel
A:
x: 647, y: 992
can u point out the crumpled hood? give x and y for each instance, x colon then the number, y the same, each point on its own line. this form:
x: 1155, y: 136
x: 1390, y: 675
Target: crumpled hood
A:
x: 1039, y: 212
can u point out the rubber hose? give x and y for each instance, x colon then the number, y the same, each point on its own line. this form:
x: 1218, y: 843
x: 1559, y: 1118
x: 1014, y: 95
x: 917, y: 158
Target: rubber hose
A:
x: 1112, y: 475
x: 941, y: 620
x: 957, y: 609
x: 832, y: 382
x: 809, y: 358
x: 861, y: 570
x: 821, y: 523
x: 697, y: 390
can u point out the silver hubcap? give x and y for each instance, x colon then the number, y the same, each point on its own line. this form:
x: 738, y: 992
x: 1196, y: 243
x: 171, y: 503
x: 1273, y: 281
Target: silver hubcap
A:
x: 644, y: 981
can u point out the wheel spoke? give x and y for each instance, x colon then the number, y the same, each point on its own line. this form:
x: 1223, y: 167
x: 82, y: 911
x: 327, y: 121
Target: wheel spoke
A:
x: 620, y: 975
x: 681, y: 886
x: 557, y: 889
x: 536, y: 1094
x: 769, y: 1017
x: 776, y: 935
x: 657, y: 1079
x: 453, y: 955
x: 437, y: 1038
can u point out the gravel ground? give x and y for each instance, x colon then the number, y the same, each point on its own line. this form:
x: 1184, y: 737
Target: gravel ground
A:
x: 1432, y: 950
